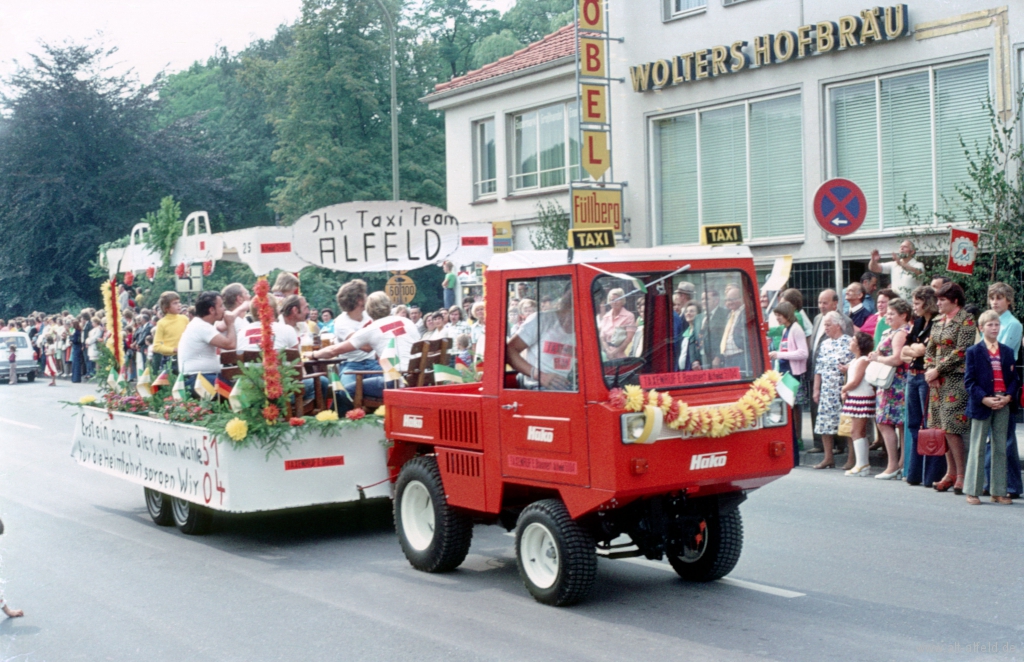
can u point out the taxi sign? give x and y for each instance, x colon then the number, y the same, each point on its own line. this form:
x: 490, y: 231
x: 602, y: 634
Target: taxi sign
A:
x: 719, y: 235
x: 591, y: 239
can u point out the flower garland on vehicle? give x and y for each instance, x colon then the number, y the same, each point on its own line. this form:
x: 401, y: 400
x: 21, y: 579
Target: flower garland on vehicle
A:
x: 710, y: 421
x: 110, y: 305
x: 271, y: 361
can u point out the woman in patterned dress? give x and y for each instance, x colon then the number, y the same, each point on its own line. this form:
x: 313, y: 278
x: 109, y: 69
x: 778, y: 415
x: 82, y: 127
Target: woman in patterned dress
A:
x: 833, y: 351
x: 891, y: 401
x: 944, y: 361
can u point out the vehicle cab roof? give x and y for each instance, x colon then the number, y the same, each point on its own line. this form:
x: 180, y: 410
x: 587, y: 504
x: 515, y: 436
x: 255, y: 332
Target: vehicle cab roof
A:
x: 537, y: 259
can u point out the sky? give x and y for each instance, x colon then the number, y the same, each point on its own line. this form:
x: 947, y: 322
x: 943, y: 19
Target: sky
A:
x: 150, y: 35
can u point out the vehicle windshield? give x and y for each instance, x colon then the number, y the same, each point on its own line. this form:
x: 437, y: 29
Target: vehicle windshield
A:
x: 688, y: 329
x: 21, y: 342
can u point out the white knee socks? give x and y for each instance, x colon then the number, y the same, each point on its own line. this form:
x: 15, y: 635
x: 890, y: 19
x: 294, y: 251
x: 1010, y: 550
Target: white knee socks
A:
x: 860, y: 449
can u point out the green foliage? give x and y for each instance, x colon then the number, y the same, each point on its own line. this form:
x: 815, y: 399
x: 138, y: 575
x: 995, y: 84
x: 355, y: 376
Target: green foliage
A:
x: 80, y: 160
x: 456, y: 26
x: 553, y: 233
x: 532, y: 20
x: 992, y: 202
x: 165, y: 227
x: 494, y: 47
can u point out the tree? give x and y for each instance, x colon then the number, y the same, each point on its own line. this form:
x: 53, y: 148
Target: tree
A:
x: 532, y: 20
x: 456, y: 26
x: 553, y: 233
x: 494, y: 47
x: 81, y: 159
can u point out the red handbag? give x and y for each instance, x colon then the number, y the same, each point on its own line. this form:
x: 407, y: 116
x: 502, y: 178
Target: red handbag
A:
x: 931, y: 442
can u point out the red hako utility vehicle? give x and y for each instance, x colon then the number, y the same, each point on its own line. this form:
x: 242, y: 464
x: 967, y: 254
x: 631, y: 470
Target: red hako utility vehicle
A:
x: 543, y: 444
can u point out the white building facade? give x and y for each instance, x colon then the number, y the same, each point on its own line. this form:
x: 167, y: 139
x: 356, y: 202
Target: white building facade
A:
x: 735, y: 111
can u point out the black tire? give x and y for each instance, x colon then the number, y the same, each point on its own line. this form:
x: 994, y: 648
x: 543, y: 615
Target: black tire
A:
x: 434, y: 536
x: 546, y: 531
x: 159, y: 507
x: 192, y: 520
x: 717, y: 553
x: 30, y: 377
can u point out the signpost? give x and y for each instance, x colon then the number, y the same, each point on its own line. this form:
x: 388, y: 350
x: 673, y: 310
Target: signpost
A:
x: 400, y: 288
x: 840, y: 208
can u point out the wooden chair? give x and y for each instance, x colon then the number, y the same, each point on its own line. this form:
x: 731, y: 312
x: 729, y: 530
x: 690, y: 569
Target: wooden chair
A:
x: 319, y: 401
x: 229, y: 366
x: 424, y: 355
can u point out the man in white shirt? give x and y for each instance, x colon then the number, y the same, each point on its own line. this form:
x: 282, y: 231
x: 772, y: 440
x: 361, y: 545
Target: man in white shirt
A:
x: 548, y: 366
x: 200, y: 344
x: 284, y: 336
x: 237, y: 300
x: 904, y: 270
x: 351, y: 300
x: 376, y: 337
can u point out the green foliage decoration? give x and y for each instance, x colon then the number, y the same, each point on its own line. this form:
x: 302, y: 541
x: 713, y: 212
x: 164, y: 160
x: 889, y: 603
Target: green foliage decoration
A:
x: 553, y: 233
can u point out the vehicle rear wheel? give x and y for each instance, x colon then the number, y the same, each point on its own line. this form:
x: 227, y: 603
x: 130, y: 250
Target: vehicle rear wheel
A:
x: 713, y: 552
x: 557, y: 559
x: 434, y: 536
x: 159, y: 507
x: 30, y: 377
x: 192, y: 520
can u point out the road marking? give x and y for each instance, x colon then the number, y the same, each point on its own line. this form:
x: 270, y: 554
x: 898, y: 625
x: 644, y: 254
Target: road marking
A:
x: 739, y: 583
x: 22, y: 425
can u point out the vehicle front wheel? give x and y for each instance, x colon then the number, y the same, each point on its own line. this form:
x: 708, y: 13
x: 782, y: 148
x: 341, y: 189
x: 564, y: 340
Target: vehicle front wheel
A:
x: 192, y: 520
x: 714, y: 551
x: 557, y: 558
x: 159, y: 507
x: 434, y: 536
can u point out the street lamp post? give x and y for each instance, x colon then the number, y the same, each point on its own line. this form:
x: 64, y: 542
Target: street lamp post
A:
x: 394, y: 104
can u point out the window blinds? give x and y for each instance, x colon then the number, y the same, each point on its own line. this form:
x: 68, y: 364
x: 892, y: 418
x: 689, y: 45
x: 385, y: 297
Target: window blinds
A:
x: 776, y: 168
x: 723, y: 163
x: 855, y: 157
x: 678, y: 180
x: 960, y: 93
x: 906, y: 144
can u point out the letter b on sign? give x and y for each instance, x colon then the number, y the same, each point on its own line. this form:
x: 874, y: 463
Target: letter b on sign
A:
x: 592, y: 57
x: 591, y: 15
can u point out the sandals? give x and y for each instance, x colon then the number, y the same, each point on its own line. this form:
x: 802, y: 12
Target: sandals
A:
x: 825, y: 465
x: 944, y: 484
x: 958, y: 486
x: 1006, y: 501
x: 859, y: 471
x: 973, y: 500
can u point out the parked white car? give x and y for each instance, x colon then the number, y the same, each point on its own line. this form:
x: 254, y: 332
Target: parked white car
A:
x: 26, y: 362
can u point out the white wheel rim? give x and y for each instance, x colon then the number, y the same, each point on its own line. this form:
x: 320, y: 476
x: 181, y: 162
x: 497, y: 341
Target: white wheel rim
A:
x: 180, y: 507
x: 155, y: 501
x: 418, y: 515
x: 539, y: 555
x: 694, y: 554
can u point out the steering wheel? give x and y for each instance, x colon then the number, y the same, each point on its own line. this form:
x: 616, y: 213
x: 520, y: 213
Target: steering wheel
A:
x: 622, y: 369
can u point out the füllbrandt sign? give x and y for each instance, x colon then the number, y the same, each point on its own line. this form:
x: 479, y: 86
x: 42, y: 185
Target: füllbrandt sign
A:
x: 873, y: 25
x: 375, y: 236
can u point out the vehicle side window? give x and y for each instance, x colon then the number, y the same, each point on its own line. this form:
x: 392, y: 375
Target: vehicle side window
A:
x: 541, y: 345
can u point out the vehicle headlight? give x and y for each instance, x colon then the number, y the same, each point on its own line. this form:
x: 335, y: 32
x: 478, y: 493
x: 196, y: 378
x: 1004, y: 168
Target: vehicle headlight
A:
x: 642, y: 427
x: 776, y: 416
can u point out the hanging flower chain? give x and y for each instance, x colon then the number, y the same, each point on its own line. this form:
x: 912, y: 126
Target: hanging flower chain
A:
x: 711, y: 421
x: 110, y: 304
x: 271, y: 363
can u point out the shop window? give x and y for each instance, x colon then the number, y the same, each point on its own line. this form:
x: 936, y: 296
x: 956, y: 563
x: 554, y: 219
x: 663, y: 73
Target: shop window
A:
x: 899, y: 138
x: 722, y: 165
x: 484, y: 160
x: 546, y: 147
x: 541, y: 330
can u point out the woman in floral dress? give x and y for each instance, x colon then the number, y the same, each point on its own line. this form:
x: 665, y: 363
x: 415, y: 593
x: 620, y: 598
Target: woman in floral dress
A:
x: 891, y: 401
x: 944, y: 361
x: 833, y: 351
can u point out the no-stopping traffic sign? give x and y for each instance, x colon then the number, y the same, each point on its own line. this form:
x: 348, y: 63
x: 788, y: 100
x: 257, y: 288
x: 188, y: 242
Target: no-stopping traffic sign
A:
x: 840, y: 207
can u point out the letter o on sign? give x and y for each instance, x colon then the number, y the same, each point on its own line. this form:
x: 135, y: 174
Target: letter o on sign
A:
x: 591, y: 15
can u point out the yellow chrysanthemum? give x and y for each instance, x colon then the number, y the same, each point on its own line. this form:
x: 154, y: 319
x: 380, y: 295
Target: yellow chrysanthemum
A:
x: 379, y: 411
x: 237, y: 429
x: 666, y: 402
x: 327, y: 415
x: 87, y: 399
x: 634, y: 398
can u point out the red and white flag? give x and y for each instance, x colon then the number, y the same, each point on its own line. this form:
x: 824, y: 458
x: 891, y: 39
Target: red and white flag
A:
x: 963, y: 251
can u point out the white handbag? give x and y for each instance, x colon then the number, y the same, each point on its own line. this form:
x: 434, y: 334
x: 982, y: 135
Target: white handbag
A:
x: 880, y: 375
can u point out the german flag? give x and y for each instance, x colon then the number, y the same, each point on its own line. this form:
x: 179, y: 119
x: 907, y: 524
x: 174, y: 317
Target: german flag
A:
x: 223, y: 388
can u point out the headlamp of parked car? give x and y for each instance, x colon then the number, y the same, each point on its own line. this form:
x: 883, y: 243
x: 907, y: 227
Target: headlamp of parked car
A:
x: 777, y: 414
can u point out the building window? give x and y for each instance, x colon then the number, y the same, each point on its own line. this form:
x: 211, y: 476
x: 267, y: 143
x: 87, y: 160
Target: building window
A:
x: 898, y: 137
x: 485, y: 163
x: 546, y: 152
x: 734, y: 164
x: 678, y: 8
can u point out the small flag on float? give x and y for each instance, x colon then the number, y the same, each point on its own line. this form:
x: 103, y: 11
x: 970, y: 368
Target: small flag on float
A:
x: 203, y: 388
x: 389, y: 361
x: 335, y: 380
x: 163, y: 379
x: 223, y: 388
x: 145, y: 384
x: 787, y: 388
x: 445, y: 375
x: 179, y: 392
x: 237, y: 398
x: 113, y: 380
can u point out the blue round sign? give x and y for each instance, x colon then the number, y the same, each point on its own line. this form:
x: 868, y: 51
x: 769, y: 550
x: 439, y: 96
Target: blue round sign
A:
x: 840, y: 207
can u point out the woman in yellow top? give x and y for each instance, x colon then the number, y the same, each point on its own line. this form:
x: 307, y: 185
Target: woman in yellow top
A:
x: 168, y: 330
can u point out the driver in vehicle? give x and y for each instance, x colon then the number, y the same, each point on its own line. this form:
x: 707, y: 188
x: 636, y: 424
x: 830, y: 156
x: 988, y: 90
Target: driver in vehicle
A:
x: 551, y: 336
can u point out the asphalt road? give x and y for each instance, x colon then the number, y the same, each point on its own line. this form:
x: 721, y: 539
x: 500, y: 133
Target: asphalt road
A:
x: 834, y: 568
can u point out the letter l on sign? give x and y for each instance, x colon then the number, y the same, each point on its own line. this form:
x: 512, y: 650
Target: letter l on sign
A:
x: 596, y: 157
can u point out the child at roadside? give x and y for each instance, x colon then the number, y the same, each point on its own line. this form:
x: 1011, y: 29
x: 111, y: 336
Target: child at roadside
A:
x: 168, y: 330
x: 463, y: 350
x: 11, y: 613
x: 12, y: 358
x: 51, y: 361
x: 859, y: 401
x: 990, y: 379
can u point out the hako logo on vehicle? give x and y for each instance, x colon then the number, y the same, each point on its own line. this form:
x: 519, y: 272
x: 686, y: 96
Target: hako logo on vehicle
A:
x: 534, y: 433
x: 708, y: 460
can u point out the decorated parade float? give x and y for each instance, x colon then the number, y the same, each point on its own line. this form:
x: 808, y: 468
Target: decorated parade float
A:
x: 248, y: 443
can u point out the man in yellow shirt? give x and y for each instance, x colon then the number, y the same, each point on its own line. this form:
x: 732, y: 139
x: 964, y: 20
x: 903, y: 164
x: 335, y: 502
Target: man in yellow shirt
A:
x: 168, y: 330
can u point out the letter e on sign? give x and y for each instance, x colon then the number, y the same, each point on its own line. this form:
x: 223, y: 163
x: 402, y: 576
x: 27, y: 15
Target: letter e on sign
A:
x: 592, y: 58
x: 592, y: 15
x: 595, y: 109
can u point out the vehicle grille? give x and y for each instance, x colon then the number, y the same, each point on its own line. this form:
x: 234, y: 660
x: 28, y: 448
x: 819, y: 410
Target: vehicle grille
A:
x: 461, y: 427
x: 462, y: 464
